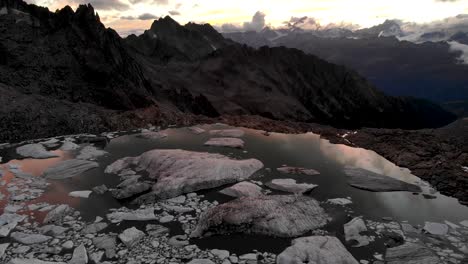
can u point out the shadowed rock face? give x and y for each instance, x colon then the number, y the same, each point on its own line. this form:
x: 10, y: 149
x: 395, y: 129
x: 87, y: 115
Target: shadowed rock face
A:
x: 318, y: 250
x: 70, y: 58
x: 411, y: 253
x: 276, y: 215
x: 180, y: 171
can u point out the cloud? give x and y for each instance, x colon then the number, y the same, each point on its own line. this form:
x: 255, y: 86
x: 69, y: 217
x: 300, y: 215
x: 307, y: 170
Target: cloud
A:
x: 228, y: 28
x: 106, y: 4
x: 257, y: 23
x: 438, y: 30
x: 156, y: 2
x: 174, y: 13
x: 460, y: 48
x: 145, y: 16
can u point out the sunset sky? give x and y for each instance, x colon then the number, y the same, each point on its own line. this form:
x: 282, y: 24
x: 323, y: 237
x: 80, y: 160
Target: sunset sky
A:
x: 136, y: 15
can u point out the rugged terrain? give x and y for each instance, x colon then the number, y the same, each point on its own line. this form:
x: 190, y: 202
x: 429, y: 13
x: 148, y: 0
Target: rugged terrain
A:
x: 65, y: 73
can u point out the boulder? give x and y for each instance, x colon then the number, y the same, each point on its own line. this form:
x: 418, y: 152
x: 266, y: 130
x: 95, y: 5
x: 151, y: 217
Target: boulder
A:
x: 152, y: 135
x: 32, y: 261
x: 411, y: 253
x: 80, y: 255
x: 69, y: 168
x: 243, y: 189
x: 108, y: 243
x: 3, y: 248
x: 29, y: 239
x: 352, y: 231
x: 290, y: 185
x: 137, y: 215
x: 130, y: 190
x: 297, y: 170
x: 225, y: 142
x: 179, y: 171
x: 52, y: 230
x: 101, y: 189
x: 339, y: 201
x: 95, y: 228
x: 58, y: 213
x: 317, y: 250
x: 196, y: 130
x: 371, y: 181
x: 90, y: 153
x: 8, y: 222
x: 80, y: 194
x: 36, y: 151
x: 131, y: 236
x: 436, y: 228
x: 276, y: 215
x: 68, y: 146
x: 227, y: 133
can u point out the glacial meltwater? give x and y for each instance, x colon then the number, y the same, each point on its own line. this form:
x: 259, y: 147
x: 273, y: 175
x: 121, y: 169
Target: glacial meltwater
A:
x: 383, y: 212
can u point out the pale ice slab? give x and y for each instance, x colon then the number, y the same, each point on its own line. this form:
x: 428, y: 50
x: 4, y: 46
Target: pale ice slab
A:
x: 80, y: 194
x: 69, y: 168
x: 36, y: 151
x: 290, y: 185
x: 243, y: 189
x: 227, y: 133
x: 225, y: 142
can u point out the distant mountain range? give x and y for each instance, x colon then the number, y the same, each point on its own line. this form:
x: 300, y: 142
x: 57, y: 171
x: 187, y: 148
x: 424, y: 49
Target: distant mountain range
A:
x: 423, y: 68
x: 91, y: 75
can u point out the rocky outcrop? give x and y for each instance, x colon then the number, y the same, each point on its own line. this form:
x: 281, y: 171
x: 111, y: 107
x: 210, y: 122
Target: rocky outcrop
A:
x: 370, y: 181
x: 277, y: 215
x: 317, y: 250
x: 180, y: 171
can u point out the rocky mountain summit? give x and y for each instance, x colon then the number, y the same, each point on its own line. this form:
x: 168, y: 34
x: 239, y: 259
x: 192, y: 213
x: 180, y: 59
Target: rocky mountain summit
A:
x: 171, y: 72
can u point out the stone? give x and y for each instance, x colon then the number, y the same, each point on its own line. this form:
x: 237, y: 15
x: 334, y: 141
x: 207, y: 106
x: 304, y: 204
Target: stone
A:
x: 221, y: 254
x: 69, y: 146
x: 243, y: 189
x: 80, y: 194
x: 101, y: 189
x: 36, y: 151
x: 157, y: 230
x: 69, y: 168
x: 249, y: 256
x: 370, y: 181
x: 436, y: 228
x: 177, y: 209
x: 277, y: 215
x: 51, y: 143
x: 8, y: 222
x: 131, y: 190
x: 96, y: 256
x: 58, y: 213
x: 108, y: 243
x: 225, y: 142
x: 236, y: 133
x: 131, y: 236
x: 179, y: 171
x: 290, y: 185
x: 29, y: 239
x: 339, y: 201
x: 411, y: 253
x: 90, y: 153
x: 3, y: 248
x: 80, y: 255
x: 317, y: 250
x: 95, y: 228
x: 68, y: 244
x: 200, y: 261
x: 166, y: 219
x: 52, y: 230
x: 146, y: 214
x: 464, y: 223
x: 32, y: 261
x: 178, y: 241
x: 196, y: 130
x: 298, y: 170
x: 153, y: 135
x: 352, y: 231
